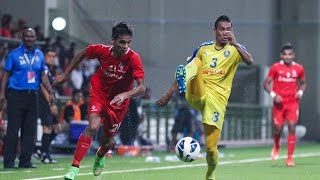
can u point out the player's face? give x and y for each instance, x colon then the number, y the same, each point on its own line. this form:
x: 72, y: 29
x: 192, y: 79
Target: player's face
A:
x: 122, y: 44
x: 221, y: 32
x: 50, y: 57
x: 288, y: 56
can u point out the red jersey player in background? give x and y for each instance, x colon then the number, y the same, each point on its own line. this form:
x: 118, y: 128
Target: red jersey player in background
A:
x: 289, y: 83
x: 111, y: 88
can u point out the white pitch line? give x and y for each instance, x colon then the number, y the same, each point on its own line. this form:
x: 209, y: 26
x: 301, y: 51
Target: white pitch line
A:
x: 183, y: 166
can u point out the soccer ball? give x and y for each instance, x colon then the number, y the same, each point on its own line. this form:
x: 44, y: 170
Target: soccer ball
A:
x: 187, y: 149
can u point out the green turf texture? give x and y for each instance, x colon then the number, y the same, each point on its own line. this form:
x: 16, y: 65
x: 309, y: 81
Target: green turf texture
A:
x: 307, y: 168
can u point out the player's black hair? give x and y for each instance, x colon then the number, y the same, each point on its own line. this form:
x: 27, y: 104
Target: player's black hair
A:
x: 222, y: 18
x: 121, y: 28
x: 287, y: 46
x: 49, y: 49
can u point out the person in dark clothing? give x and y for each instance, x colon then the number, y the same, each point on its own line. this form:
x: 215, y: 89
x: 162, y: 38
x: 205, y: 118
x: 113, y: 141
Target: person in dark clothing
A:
x: 129, y: 125
x: 49, y: 119
x: 84, y: 105
x: 24, y: 72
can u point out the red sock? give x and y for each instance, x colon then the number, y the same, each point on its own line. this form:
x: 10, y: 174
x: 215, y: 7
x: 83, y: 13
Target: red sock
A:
x: 276, y: 140
x: 81, y: 150
x: 103, y: 150
x: 291, y: 144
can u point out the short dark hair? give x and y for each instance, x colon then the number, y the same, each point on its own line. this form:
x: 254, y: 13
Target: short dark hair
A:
x: 222, y: 18
x: 50, y: 49
x: 287, y: 46
x: 121, y: 28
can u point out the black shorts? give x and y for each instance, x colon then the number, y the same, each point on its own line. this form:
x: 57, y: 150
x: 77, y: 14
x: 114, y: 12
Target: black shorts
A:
x: 47, y: 118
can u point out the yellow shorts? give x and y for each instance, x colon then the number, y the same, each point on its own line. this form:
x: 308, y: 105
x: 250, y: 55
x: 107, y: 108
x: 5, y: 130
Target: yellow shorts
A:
x: 211, y: 109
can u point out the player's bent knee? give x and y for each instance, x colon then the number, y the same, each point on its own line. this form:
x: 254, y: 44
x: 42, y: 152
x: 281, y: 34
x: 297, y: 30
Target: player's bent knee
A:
x: 213, y: 151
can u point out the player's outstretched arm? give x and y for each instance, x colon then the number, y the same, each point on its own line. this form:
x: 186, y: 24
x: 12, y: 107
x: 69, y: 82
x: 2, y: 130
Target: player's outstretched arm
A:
x: 164, y: 99
x: 75, y: 61
x: 139, y: 90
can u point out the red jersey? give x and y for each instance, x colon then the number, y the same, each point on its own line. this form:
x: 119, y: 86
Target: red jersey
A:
x: 115, y: 75
x: 285, y: 79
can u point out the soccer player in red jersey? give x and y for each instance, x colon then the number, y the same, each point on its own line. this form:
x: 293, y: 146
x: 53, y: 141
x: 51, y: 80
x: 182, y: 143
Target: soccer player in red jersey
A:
x: 289, y: 83
x: 111, y: 88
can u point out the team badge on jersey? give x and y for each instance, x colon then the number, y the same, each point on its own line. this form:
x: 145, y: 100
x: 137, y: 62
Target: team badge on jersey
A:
x: 288, y: 74
x: 226, y: 53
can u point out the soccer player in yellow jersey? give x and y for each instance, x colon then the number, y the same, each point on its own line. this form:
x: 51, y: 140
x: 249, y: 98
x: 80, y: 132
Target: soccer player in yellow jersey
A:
x: 207, y: 80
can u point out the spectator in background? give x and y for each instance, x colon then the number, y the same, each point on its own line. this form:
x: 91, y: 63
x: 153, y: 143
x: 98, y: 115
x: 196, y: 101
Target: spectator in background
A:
x: 21, y: 25
x: 24, y: 71
x: 69, y: 55
x: 84, y: 106
x: 183, y: 120
x: 47, y: 44
x: 61, y: 50
x: 5, y: 30
x: 76, y: 77
x: 47, y: 114
x: 129, y: 126
x: 40, y: 36
x: 71, y: 111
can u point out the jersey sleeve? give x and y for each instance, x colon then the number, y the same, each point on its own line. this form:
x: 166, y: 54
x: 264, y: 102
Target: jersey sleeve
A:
x: 93, y: 51
x: 272, y: 72
x: 137, y: 67
x: 9, y: 64
x: 196, y: 53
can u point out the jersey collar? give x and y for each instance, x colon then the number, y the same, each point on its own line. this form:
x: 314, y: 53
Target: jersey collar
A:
x: 292, y: 63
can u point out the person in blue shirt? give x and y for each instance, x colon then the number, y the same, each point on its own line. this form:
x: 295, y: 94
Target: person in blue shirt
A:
x: 24, y: 72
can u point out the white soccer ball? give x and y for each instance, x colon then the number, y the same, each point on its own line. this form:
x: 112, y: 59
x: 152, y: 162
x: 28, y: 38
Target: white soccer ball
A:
x: 187, y: 149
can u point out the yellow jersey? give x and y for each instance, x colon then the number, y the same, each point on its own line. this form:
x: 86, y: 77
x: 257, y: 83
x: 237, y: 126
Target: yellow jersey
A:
x: 219, y: 67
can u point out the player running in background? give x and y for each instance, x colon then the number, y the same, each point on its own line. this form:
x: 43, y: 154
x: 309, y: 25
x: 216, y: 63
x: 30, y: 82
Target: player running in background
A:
x: 111, y: 88
x: 207, y: 81
x: 289, y: 83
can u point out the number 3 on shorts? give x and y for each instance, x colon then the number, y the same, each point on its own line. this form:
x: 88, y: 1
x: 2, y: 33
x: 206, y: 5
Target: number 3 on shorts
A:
x: 215, y: 117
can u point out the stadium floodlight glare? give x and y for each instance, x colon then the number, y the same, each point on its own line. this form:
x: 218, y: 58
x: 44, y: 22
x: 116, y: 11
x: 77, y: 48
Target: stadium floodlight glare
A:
x: 59, y: 23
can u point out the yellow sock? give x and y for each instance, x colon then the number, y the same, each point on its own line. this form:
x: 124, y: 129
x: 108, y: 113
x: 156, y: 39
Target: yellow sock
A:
x: 212, y: 161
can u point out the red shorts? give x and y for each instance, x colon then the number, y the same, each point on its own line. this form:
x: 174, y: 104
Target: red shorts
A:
x: 111, y: 115
x: 283, y: 112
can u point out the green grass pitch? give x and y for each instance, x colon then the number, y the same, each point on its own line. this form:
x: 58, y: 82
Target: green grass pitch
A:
x: 235, y: 164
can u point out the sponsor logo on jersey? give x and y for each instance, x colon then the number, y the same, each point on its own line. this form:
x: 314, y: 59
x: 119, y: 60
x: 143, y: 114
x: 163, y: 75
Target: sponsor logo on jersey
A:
x: 214, y: 71
x: 109, y: 74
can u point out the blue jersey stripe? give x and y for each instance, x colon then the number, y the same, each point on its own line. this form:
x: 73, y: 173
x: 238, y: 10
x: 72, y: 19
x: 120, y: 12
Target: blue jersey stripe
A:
x: 196, y: 51
x: 242, y: 47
